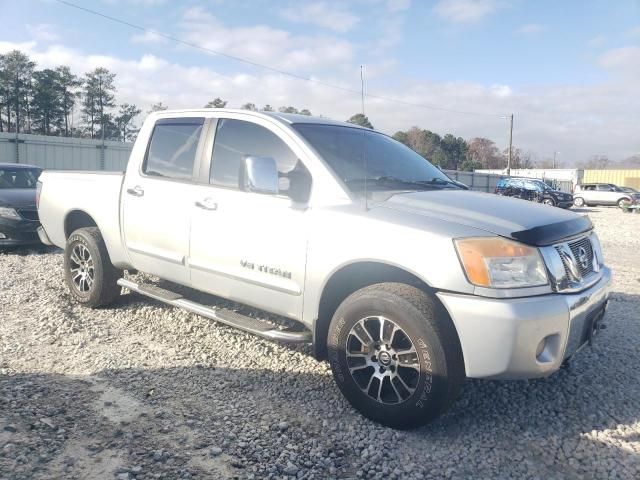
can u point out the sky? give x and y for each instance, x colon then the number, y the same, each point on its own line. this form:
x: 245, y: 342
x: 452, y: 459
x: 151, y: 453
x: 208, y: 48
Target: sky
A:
x: 568, y: 70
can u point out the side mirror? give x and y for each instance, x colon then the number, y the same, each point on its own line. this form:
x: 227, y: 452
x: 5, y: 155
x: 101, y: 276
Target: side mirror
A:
x: 259, y: 175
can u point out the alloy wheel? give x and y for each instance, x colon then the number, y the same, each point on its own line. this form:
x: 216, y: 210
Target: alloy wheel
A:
x: 82, y: 268
x: 382, y: 360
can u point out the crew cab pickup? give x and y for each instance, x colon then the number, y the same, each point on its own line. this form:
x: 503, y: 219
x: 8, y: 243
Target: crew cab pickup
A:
x: 406, y: 283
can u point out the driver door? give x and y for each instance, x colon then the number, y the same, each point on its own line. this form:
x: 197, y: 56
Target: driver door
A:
x: 247, y: 246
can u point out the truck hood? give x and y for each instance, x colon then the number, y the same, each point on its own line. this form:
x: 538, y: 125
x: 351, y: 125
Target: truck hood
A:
x: 521, y: 220
x: 17, y: 197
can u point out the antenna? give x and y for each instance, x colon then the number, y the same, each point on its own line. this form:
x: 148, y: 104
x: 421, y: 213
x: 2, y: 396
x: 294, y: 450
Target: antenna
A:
x: 364, y: 146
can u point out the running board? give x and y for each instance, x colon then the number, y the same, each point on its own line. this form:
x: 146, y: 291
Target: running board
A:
x: 228, y: 317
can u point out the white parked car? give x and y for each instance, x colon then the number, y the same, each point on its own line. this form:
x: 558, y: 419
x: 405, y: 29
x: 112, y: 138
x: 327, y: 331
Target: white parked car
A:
x: 603, y: 194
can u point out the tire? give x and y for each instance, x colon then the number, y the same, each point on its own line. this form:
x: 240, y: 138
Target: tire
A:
x: 88, y: 272
x: 427, y: 339
x: 578, y: 202
x: 549, y: 202
x: 622, y: 201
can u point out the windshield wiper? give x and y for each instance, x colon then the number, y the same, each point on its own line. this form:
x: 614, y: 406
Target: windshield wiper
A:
x: 440, y: 181
x: 394, y: 182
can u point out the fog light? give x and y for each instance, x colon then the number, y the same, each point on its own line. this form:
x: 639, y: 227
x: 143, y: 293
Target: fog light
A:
x: 548, y: 349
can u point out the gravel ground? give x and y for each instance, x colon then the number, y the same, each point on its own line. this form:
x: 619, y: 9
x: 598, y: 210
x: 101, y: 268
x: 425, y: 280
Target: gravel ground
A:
x: 141, y: 390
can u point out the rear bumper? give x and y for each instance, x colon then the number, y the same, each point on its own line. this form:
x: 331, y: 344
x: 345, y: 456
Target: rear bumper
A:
x: 44, y: 238
x: 524, y: 337
x: 18, y: 232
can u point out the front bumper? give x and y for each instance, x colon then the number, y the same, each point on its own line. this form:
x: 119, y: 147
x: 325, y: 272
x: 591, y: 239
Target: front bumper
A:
x: 18, y: 232
x: 502, y: 338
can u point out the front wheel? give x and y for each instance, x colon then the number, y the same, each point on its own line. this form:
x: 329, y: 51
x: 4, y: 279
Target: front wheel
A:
x: 549, y: 202
x: 395, y: 355
x: 623, y: 202
x: 89, y: 274
x: 578, y: 202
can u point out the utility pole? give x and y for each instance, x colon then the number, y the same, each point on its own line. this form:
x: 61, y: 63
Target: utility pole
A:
x: 554, y: 158
x: 17, y: 93
x: 102, y: 162
x: 362, y: 88
x: 510, y: 144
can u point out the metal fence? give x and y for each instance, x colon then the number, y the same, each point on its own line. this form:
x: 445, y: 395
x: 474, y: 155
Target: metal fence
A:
x: 64, y: 153
x: 481, y: 182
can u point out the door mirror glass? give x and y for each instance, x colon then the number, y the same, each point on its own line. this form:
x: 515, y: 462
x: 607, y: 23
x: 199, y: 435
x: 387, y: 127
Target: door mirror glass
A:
x: 259, y: 174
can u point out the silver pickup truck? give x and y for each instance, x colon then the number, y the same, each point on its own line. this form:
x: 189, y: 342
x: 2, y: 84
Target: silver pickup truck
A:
x: 406, y: 283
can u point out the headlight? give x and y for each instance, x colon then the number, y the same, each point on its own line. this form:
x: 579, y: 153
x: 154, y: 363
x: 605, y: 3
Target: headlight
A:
x: 8, y: 213
x: 496, y: 262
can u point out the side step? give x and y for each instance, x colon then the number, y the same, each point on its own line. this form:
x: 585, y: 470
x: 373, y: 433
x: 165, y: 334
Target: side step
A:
x: 228, y: 317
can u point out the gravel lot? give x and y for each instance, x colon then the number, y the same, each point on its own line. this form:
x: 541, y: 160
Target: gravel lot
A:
x: 141, y: 390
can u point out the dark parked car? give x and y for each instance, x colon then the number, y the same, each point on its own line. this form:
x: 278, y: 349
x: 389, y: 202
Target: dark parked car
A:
x: 18, y: 213
x: 534, y: 190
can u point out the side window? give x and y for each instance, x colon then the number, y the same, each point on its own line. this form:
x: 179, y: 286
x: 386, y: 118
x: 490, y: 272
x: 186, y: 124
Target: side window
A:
x: 604, y: 188
x: 236, y: 139
x: 589, y: 188
x: 172, y: 150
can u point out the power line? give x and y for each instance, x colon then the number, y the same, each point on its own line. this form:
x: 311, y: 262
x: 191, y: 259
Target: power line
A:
x: 267, y: 67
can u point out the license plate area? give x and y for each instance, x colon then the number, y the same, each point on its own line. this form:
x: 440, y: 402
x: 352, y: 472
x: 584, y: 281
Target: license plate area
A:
x: 584, y: 329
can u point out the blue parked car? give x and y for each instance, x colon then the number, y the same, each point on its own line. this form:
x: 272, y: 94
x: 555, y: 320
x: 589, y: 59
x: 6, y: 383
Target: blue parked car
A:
x: 533, y: 190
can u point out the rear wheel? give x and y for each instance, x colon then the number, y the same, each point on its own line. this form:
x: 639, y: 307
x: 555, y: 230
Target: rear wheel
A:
x: 578, y: 202
x: 89, y: 274
x: 395, y: 355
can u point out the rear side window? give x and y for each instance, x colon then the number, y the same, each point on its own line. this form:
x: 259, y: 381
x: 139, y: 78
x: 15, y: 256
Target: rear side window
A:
x: 236, y: 139
x: 172, y: 150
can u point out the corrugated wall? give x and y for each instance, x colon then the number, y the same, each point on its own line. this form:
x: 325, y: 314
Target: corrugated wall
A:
x: 481, y: 182
x: 62, y: 153
x: 622, y: 178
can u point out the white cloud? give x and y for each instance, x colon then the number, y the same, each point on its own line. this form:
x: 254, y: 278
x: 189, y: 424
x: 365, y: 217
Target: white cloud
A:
x: 596, y: 41
x: 398, y: 5
x: 148, y: 38
x: 530, y: 29
x: 634, y: 32
x: 43, y: 32
x: 465, y: 11
x: 552, y: 117
x: 332, y: 16
x: 266, y: 45
x: 623, y: 60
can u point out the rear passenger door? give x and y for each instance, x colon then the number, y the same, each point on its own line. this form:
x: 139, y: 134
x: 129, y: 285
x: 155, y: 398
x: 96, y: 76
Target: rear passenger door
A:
x: 248, y: 246
x: 156, y: 199
x: 606, y: 195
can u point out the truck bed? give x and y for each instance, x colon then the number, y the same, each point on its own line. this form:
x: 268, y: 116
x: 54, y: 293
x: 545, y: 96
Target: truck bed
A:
x: 95, y: 193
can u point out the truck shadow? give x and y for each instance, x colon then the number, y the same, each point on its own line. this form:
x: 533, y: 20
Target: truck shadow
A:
x: 567, y: 425
x: 24, y: 250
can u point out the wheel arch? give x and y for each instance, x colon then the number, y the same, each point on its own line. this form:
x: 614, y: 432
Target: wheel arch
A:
x: 76, y: 219
x: 345, y: 280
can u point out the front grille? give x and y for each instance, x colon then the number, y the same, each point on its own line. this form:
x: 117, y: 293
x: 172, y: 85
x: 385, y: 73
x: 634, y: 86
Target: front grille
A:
x: 577, y: 260
x: 29, y: 214
x: 583, y: 253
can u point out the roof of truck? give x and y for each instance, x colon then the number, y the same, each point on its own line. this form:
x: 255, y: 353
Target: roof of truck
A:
x: 288, y: 118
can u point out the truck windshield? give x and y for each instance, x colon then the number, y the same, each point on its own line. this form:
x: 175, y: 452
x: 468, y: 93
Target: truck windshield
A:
x: 18, y: 177
x: 360, y: 156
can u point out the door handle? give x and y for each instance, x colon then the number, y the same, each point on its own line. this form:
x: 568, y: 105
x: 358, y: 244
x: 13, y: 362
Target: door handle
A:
x: 207, y: 204
x: 136, y: 191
